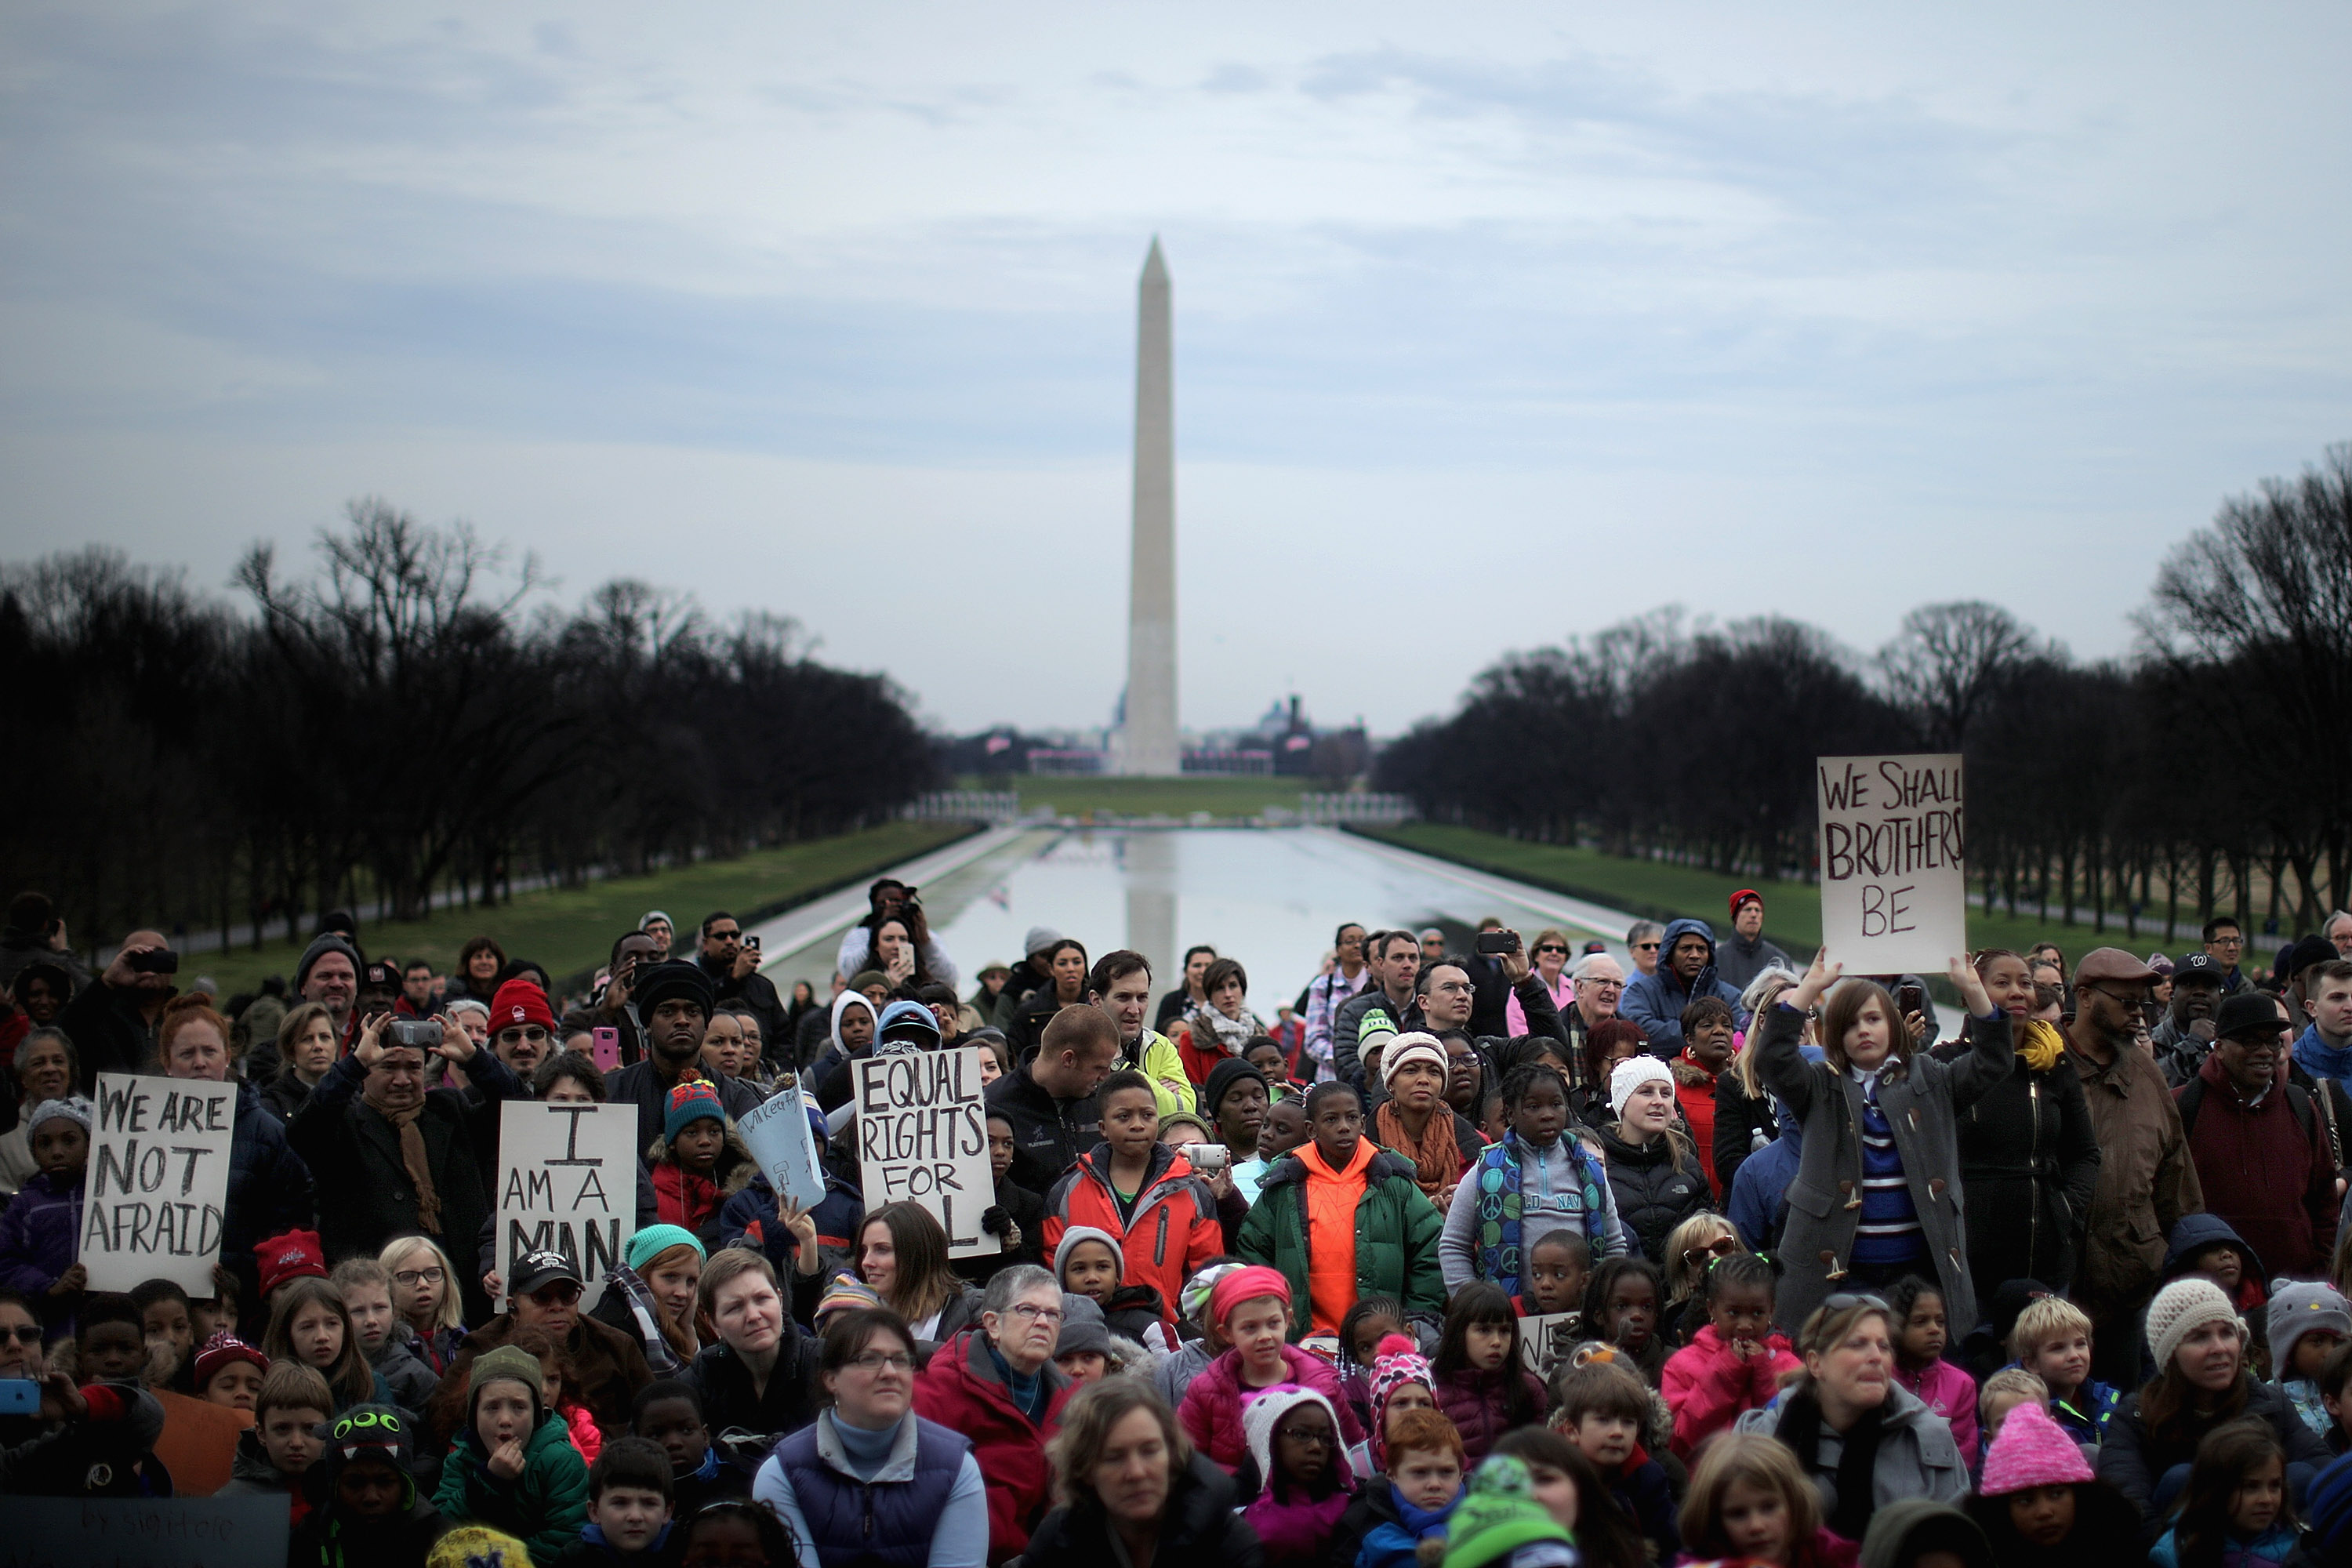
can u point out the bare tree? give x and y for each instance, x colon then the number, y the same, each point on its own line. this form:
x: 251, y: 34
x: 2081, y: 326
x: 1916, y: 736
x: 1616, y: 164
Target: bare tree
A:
x: 1947, y: 661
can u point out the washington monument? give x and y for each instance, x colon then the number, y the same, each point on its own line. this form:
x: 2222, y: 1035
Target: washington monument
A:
x: 1149, y: 745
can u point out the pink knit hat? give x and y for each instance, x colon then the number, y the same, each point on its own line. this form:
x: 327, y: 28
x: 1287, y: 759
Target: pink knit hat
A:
x: 2031, y: 1450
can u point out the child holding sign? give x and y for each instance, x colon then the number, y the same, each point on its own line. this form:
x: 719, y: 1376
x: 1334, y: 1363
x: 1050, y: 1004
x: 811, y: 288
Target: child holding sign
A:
x: 38, y: 1240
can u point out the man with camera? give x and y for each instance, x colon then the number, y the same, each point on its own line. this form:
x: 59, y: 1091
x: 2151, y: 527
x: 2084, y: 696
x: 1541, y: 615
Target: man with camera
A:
x: 614, y: 1007
x: 731, y: 960
x: 112, y: 1023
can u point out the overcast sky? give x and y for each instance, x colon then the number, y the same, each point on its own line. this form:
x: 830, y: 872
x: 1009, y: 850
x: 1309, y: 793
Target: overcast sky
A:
x: 1493, y: 323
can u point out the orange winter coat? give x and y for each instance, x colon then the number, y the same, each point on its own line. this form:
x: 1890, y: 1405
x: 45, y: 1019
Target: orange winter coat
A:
x: 1172, y: 1232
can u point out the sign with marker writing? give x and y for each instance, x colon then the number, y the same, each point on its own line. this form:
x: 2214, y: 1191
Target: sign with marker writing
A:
x: 922, y: 1137
x: 1546, y: 1339
x: 1893, y: 863
x: 567, y: 1184
x: 780, y: 1137
x: 133, y: 1532
x: 158, y: 1181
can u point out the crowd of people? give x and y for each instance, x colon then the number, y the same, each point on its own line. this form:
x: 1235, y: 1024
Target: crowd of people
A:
x: 1496, y: 1257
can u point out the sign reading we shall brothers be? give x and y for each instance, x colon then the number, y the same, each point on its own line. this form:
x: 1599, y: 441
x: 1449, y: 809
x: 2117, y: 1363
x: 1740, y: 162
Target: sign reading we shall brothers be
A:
x: 1893, y: 863
x: 158, y: 1181
x: 567, y: 1184
x: 922, y: 1137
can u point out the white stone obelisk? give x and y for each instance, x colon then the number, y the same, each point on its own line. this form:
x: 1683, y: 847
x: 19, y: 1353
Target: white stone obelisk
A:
x: 1148, y: 743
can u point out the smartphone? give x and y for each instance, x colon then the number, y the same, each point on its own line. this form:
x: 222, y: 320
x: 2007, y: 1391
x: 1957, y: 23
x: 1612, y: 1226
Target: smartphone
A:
x: 604, y: 1046
x: 159, y: 961
x: 752, y: 942
x: 1209, y: 1159
x: 1910, y: 999
x: 1493, y: 943
x: 417, y: 1033
x: 19, y: 1397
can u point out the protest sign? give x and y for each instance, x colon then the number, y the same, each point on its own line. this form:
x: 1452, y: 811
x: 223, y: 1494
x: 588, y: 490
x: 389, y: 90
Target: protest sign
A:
x: 922, y: 1137
x: 131, y: 1532
x: 780, y: 1138
x: 158, y: 1181
x: 1893, y: 863
x: 567, y: 1184
x: 1546, y: 1339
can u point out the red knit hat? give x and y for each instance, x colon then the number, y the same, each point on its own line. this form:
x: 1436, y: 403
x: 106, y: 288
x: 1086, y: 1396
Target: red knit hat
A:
x: 1743, y: 896
x: 2031, y: 1450
x: 1245, y: 1284
x: 292, y: 1255
x: 224, y: 1349
x: 520, y: 1001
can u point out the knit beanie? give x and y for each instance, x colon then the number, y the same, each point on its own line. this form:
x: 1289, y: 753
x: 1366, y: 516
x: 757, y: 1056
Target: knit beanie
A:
x: 845, y: 1293
x: 1229, y: 1071
x: 672, y: 978
x: 72, y: 1108
x: 655, y: 1240
x: 508, y: 1362
x: 478, y: 1546
x: 378, y: 1432
x: 1265, y: 1411
x: 1083, y: 1328
x: 1247, y: 1283
x: 1414, y: 1046
x: 322, y: 945
x: 1078, y: 1233
x: 2179, y: 1307
x: 224, y: 1349
x: 1631, y: 1074
x: 518, y: 1002
x: 296, y: 1255
x: 690, y: 1101
x: 2031, y: 1450
x: 1497, y: 1515
x: 2296, y: 1309
x: 1395, y: 1363
x: 1192, y: 1300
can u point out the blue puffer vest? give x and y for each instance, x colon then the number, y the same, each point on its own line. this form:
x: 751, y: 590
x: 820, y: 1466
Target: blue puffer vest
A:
x: 886, y: 1520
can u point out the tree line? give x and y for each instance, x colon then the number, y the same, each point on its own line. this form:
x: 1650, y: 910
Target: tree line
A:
x: 2209, y: 772
x: 413, y: 717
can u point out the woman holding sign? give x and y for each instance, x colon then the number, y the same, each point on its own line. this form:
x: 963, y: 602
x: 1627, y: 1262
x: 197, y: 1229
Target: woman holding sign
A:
x: 269, y: 1190
x: 1877, y: 1194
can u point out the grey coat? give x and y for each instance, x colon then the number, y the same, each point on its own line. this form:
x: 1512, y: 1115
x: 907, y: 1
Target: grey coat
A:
x: 1918, y: 1455
x: 1921, y: 1098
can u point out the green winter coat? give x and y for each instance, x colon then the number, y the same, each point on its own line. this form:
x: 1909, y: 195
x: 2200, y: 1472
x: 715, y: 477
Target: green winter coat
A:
x: 544, y: 1507
x: 1396, y: 1237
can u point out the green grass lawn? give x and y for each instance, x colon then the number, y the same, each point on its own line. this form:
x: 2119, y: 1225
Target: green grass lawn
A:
x: 571, y: 930
x: 1656, y: 890
x: 1180, y: 798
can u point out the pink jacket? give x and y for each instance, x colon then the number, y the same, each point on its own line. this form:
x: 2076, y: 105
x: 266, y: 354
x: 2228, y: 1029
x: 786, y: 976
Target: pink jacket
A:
x: 1950, y: 1393
x: 1296, y: 1531
x: 1212, y: 1411
x: 1707, y: 1388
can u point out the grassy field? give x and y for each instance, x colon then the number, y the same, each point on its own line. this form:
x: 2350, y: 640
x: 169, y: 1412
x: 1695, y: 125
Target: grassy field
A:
x: 1792, y: 911
x: 1219, y: 796
x: 570, y: 929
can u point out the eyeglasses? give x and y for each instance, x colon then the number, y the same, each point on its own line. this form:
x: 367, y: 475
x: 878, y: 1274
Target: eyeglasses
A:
x: 1317, y: 1436
x: 1553, y: 947
x: 561, y: 1294
x: 23, y: 1334
x: 1721, y: 1246
x: 530, y: 1032
x: 412, y: 1278
x: 1603, y: 985
x: 1647, y: 946
x: 874, y: 1361
x: 2228, y: 941
x: 1033, y: 1313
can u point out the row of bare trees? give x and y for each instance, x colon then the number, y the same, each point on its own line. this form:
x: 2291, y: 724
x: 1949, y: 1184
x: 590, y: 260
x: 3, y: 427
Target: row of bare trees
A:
x: 414, y: 717
x: 2210, y: 772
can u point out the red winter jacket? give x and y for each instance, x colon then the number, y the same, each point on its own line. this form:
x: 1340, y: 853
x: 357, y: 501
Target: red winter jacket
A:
x: 1707, y: 1388
x: 1474, y: 1402
x: 2262, y: 1170
x: 1211, y: 1414
x: 961, y: 1390
x: 1173, y: 1234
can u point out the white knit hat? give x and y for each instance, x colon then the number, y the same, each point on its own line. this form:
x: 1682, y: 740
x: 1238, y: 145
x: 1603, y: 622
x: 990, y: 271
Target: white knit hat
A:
x: 1414, y: 1046
x: 1631, y: 1074
x: 2182, y: 1306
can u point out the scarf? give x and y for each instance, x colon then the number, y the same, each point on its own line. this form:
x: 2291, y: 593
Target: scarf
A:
x: 1436, y: 1159
x: 2320, y: 1059
x: 1801, y: 1430
x: 1500, y: 1173
x: 1229, y: 1034
x: 418, y: 1164
x: 653, y: 1332
x: 682, y: 1197
x: 2040, y: 1043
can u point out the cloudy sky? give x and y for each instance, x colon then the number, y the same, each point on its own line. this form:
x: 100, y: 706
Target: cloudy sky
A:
x: 1493, y: 323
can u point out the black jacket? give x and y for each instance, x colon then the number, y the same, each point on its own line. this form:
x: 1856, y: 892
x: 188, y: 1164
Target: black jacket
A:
x: 1347, y: 1024
x: 1199, y: 1526
x: 640, y: 1085
x: 284, y: 1095
x: 754, y: 990
x: 1027, y: 1210
x: 366, y: 1197
x: 1372, y: 1506
x: 1655, y: 1191
x: 1048, y: 1134
x: 2029, y: 1166
x: 1739, y: 1117
x: 728, y: 1403
x: 270, y: 1188
x: 109, y: 1032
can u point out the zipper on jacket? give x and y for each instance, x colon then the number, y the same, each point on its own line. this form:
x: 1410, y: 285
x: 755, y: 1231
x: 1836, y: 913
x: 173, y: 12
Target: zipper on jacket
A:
x: 1160, y: 1241
x: 2033, y: 1163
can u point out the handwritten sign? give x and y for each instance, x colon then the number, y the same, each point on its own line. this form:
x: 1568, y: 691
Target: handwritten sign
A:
x: 1893, y: 863
x: 922, y: 1137
x: 131, y: 1532
x: 158, y: 1181
x: 567, y: 1184
x: 1546, y: 1339
x: 780, y: 1137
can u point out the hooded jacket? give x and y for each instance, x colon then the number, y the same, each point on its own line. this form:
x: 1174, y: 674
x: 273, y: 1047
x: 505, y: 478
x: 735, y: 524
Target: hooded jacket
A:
x: 40, y: 1237
x: 1918, y: 1455
x: 1156, y: 1057
x: 1048, y: 1134
x: 1199, y: 1526
x: 2030, y: 1165
x: 1656, y: 1187
x: 827, y: 1090
x: 2133, y: 1460
x: 1210, y: 1412
x: 1910, y: 1529
x: 961, y: 1389
x: 1170, y: 1236
x: 735, y: 1171
x: 1655, y: 1001
x: 1396, y: 1237
x: 543, y: 1507
x: 1477, y: 1403
x: 1709, y: 1388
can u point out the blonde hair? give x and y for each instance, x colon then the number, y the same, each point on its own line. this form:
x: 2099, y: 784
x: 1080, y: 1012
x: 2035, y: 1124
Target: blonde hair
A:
x: 1761, y: 993
x: 2046, y: 1319
x: 1683, y: 1280
x: 2012, y: 1383
x: 400, y: 1249
x: 1765, y: 1463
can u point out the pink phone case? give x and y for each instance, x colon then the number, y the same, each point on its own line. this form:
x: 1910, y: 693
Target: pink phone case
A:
x: 604, y: 1044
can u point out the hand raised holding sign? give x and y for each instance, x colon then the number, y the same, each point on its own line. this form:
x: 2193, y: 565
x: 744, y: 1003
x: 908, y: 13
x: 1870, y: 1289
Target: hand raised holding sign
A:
x: 1806, y: 994
x: 803, y: 1225
x: 1973, y: 995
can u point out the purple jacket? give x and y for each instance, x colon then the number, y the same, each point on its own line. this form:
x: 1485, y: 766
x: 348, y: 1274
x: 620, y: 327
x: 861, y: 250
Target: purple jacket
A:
x: 1210, y: 1412
x: 1475, y: 1403
x: 1298, y: 1529
x: 39, y: 1235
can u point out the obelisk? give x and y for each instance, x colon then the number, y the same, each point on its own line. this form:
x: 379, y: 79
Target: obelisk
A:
x: 1148, y: 743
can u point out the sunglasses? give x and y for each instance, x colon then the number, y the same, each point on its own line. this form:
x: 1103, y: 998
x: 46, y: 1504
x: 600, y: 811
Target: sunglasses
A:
x: 561, y: 1294
x: 1553, y: 947
x: 23, y: 1334
x: 1647, y: 946
x: 1845, y: 1301
x: 1721, y: 1246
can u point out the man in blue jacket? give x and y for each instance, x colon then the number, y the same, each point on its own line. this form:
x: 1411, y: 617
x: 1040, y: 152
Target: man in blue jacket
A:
x: 1686, y: 972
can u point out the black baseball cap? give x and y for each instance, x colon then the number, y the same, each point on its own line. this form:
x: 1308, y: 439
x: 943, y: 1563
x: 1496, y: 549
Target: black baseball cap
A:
x: 537, y: 1270
x: 2200, y: 965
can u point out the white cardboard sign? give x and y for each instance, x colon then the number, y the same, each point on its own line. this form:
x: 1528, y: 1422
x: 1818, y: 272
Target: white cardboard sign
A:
x: 1893, y: 863
x: 922, y: 1137
x: 567, y: 1184
x: 780, y: 1137
x: 158, y: 1181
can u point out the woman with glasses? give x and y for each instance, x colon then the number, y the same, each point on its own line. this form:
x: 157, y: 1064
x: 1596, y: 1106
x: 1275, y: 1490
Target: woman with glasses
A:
x: 869, y: 1478
x: 1136, y: 1493
x: 1551, y: 953
x: 997, y: 1385
x: 1863, y: 1439
x: 1877, y: 1194
x: 1695, y: 1243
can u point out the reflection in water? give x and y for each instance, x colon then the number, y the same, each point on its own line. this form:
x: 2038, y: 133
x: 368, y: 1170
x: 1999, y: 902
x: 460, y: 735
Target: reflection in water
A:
x: 1148, y: 860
